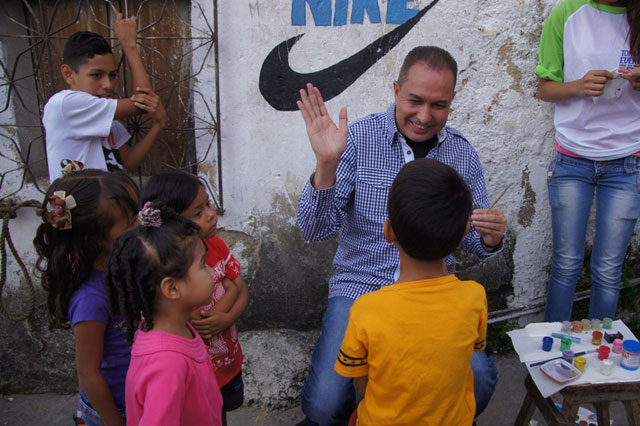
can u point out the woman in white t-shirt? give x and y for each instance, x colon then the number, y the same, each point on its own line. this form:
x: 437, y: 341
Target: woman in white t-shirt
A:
x: 589, y: 66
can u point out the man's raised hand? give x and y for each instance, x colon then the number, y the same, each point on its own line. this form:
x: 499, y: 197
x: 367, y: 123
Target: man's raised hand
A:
x: 328, y: 141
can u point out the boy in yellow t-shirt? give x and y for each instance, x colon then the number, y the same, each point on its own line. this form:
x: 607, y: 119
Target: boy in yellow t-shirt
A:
x: 408, y: 346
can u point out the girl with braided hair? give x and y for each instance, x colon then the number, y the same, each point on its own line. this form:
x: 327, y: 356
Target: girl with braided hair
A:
x: 156, y: 275
x: 84, y: 213
x: 215, y: 320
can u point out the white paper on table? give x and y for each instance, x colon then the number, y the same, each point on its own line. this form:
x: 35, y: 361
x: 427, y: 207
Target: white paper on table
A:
x: 612, y: 88
x: 528, y: 344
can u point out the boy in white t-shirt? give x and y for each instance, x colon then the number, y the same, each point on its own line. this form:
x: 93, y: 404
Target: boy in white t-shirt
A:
x: 81, y: 123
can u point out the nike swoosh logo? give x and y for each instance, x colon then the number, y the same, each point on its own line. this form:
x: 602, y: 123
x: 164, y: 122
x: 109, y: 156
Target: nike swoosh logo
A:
x: 280, y: 85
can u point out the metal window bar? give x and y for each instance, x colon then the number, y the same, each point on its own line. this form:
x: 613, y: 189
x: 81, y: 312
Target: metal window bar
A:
x: 175, y: 52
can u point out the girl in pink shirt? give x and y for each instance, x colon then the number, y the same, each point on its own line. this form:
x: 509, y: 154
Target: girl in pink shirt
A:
x: 215, y: 321
x: 156, y: 274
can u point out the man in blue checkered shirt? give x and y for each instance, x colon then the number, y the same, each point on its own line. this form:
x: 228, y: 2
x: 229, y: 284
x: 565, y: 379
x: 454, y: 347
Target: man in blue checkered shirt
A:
x: 347, y: 194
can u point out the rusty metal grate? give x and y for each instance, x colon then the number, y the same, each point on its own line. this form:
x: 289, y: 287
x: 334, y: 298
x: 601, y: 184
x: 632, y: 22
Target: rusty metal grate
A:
x: 176, y: 54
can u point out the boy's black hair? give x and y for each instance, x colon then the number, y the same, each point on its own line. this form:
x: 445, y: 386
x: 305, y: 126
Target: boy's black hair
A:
x: 429, y: 207
x: 435, y: 57
x: 82, y: 46
x: 140, y: 259
x: 66, y: 256
x: 177, y: 189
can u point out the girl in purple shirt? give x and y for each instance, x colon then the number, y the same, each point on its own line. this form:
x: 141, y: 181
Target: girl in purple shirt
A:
x: 84, y: 213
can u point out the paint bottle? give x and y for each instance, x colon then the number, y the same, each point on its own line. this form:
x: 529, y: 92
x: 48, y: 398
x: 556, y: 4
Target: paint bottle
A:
x: 576, y: 326
x: 547, y: 343
x: 606, y: 366
x: 568, y: 355
x: 616, y: 352
x: 630, y: 355
x: 603, y: 352
x: 596, y: 323
x: 565, y: 343
x: 617, y: 346
x: 566, y: 327
x: 586, y: 324
x: 580, y: 363
x: 596, y: 338
x: 606, y: 323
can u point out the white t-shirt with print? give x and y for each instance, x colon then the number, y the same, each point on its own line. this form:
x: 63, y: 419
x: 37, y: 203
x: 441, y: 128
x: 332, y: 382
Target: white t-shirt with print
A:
x: 579, y: 36
x: 80, y: 127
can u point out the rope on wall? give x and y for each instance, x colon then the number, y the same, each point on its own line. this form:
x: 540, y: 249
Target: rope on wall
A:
x: 8, y: 210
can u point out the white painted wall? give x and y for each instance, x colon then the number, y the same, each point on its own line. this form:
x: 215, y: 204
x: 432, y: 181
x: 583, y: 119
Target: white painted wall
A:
x: 22, y: 229
x: 495, y: 44
x: 265, y: 152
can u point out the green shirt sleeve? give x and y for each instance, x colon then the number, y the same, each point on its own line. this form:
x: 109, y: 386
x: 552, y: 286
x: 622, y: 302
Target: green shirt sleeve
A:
x: 551, y: 51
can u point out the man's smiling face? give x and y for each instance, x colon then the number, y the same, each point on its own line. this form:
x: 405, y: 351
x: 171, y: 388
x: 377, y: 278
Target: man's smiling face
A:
x: 423, y: 101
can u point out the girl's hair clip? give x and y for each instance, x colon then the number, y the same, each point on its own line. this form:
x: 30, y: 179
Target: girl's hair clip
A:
x: 58, y: 210
x: 149, y: 216
x: 70, y: 166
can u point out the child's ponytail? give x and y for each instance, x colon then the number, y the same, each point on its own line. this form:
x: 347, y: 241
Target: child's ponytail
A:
x: 140, y: 259
x: 79, y: 211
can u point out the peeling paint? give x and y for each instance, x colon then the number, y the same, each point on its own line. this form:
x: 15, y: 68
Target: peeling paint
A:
x: 527, y: 210
x: 282, y: 268
x: 244, y: 247
x: 506, y: 55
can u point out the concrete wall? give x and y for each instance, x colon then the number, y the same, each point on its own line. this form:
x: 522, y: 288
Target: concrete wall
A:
x: 266, y: 157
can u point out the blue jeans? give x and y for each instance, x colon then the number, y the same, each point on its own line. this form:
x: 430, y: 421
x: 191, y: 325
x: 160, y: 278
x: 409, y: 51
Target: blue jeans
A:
x: 572, y: 183
x: 89, y: 414
x: 328, y: 398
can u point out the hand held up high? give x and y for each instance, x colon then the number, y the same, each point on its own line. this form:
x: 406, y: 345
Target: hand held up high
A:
x: 126, y: 30
x: 328, y: 141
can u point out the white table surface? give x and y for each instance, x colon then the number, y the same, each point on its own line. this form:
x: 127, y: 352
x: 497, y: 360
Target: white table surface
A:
x: 528, y: 344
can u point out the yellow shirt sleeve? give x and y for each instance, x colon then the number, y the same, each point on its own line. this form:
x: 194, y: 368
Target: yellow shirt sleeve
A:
x: 353, y: 356
x: 481, y: 343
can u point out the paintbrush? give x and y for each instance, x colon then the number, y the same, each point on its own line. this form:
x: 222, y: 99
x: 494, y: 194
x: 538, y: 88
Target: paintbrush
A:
x: 499, y: 197
x: 534, y: 364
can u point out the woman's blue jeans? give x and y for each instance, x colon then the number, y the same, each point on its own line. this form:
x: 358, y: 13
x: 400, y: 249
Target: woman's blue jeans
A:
x: 573, y: 183
x: 328, y: 398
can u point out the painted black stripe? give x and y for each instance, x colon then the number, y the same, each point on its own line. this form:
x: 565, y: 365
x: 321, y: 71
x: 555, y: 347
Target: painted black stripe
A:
x: 352, y: 357
x: 352, y: 365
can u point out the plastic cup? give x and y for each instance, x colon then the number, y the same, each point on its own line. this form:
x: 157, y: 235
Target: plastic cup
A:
x: 596, y: 338
x: 568, y: 355
x: 606, y: 323
x: 603, y: 352
x: 566, y: 327
x: 576, y: 326
x: 580, y: 362
x: 617, y: 346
